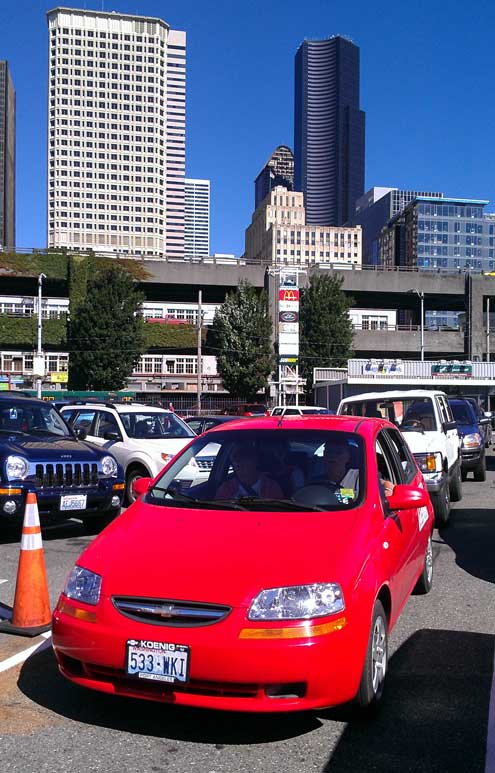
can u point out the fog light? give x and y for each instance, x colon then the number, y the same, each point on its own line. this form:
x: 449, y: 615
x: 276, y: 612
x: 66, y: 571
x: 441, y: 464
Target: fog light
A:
x: 9, y: 507
x: 115, y: 501
x: 295, y: 690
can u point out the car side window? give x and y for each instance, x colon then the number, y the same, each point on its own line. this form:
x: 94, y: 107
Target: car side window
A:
x: 444, y: 409
x: 85, y: 420
x: 69, y: 416
x: 209, y: 425
x: 195, y: 425
x: 407, y: 464
x: 106, y: 423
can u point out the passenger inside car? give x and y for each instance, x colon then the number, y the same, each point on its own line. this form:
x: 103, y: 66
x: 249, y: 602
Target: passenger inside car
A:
x: 248, y: 480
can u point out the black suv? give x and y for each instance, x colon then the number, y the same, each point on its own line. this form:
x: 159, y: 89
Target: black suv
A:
x: 39, y: 452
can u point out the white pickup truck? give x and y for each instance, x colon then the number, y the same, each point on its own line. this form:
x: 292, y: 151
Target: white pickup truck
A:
x: 425, y: 418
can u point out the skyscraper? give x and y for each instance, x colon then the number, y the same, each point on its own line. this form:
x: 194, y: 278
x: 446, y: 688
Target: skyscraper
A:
x: 197, y: 218
x: 328, y: 130
x: 7, y: 158
x: 278, y: 170
x: 116, y: 133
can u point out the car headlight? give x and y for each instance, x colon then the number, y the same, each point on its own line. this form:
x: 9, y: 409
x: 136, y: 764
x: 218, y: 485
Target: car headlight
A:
x: 109, y: 466
x: 166, y: 457
x: 472, y: 441
x: 83, y: 585
x: 294, y: 602
x: 16, y: 467
x: 429, y: 462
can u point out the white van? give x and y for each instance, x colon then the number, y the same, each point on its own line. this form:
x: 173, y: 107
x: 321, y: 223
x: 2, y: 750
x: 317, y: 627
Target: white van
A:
x: 425, y: 418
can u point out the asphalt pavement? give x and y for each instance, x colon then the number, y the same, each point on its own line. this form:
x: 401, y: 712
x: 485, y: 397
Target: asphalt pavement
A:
x: 435, y: 715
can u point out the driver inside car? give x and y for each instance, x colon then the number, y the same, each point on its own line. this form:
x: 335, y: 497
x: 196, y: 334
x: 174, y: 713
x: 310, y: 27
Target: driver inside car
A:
x: 248, y: 480
x: 336, y: 466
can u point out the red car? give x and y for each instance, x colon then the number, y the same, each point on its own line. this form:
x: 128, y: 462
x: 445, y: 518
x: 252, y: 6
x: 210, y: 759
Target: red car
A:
x: 268, y: 582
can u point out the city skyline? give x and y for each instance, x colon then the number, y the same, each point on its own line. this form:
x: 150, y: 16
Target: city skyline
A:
x: 419, y: 136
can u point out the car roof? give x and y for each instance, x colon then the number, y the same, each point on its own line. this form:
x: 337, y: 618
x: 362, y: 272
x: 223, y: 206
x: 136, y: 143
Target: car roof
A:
x: 120, y: 407
x: 393, y: 395
x: 357, y: 424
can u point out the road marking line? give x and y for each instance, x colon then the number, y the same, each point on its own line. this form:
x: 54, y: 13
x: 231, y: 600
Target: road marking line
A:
x: 24, y: 654
x: 490, y: 735
x: 1, y: 581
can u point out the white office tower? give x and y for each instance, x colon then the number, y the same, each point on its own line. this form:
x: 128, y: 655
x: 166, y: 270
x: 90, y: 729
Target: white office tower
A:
x: 197, y: 218
x: 116, y: 133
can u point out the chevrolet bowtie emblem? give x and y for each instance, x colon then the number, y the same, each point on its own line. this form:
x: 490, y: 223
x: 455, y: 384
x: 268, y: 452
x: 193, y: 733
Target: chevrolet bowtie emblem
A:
x: 166, y: 610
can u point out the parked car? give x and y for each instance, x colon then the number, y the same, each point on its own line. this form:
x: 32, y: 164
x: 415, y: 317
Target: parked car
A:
x: 472, y: 437
x: 234, y: 594
x: 200, y: 424
x: 247, y: 409
x: 300, y: 410
x: 39, y: 452
x: 425, y: 418
x: 141, y: 437
x: 484, y: 420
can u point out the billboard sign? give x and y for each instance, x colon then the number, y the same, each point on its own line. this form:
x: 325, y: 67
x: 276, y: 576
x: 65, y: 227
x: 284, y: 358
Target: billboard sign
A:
x: 288, y: 294
x: 288, y: 316
x: 288, y: 327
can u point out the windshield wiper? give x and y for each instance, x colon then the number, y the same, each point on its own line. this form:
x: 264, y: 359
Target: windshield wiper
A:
x: 285, y: 504
x: 12, y: 431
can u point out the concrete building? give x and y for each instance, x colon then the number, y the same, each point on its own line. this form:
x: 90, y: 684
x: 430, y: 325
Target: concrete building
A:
x: 7, y: 158
x: 279, y: 234
x: 197, y: 218
x: 373, y: 211
x: 328, y: 130
x: 446, y: 234
x: 116, y: 133
x: 278, y: 170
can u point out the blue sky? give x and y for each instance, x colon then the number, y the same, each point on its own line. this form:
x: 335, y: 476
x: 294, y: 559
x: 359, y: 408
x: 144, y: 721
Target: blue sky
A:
x: 427, y: 75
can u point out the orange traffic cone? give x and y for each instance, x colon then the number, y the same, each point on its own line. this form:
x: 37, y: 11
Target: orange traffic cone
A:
x: 30, y: 615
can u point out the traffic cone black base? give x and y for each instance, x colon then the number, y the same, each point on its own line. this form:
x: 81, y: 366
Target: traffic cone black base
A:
x: 6, y: 625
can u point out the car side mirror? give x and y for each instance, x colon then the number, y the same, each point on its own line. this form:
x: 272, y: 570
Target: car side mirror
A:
x: 80, y: 433
x: 484, y: 422
x: 141, y: 486
x: 112, y: 436
x: 405, y: 497
x: 449, y: 425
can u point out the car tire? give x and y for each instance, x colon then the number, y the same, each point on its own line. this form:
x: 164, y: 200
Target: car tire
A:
x: 441, y: 506
x: 133, y: 474
x: 456, y: 486
x: 480, y: 470
x: 464, y: 474
x: 375, y: 665
x: 425, y: 581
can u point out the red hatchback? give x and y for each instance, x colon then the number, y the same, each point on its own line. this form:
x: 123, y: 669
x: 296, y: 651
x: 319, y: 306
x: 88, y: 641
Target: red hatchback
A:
x: 266, y: 578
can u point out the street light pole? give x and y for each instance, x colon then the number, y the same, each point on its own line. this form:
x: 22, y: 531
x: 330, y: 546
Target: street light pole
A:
x: 422, y: 298
x: 40, y: 324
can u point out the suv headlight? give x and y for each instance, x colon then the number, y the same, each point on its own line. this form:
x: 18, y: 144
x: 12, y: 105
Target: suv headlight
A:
x: 83, y: 585
x: 16, y: 467
x: 297, y: 602
x: 472, y: 441
x: 429, y: 462
x: 109, y: 466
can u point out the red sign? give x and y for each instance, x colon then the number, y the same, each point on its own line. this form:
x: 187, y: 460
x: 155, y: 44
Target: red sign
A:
x: 288, y: 295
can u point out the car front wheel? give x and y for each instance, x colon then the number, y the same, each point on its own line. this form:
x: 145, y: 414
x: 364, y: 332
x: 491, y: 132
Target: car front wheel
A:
x: 441, y: 506
x: 375, y: 666
x: 425, y: 581
x: 133, y: 474
x: 480, y: 470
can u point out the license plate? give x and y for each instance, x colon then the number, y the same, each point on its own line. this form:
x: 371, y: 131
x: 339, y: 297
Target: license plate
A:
x: 73, y: 502
x: 158, y: 661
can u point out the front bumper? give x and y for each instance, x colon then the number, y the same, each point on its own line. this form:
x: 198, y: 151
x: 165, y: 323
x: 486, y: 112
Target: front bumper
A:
x: 470, y: 457
x: 435, y: 481
x: 226, y: 672
x: 100, y: 499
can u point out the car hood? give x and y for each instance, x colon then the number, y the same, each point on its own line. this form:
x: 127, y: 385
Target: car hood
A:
x: 47, y: 448
x: 422, y: 442
x: 469, y: 429
x: 219, y: 556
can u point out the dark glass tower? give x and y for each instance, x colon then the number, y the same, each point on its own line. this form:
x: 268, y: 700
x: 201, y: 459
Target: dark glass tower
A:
x: 328, y: 130
x: 278, y: 170
x: 7, y: 158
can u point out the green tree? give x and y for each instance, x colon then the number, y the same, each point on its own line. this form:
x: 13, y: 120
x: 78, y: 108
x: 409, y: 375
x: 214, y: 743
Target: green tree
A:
x: 106, y: 332
x: 325, y: 328
x: 240, y: 337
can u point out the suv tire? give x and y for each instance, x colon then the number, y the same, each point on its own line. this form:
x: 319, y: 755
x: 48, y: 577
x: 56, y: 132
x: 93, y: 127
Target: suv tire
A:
x: 456, y: 485
x: 133, y: 473
x: 441, y: 506
x: 480, y: 470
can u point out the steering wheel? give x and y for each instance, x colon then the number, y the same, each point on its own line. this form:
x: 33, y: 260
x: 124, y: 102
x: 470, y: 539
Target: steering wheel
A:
x: 414, y: 423
x: 316, y: 494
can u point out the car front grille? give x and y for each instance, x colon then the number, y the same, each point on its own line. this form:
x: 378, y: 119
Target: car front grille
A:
x: 204, y: 464
x: 170, y: 612
x: 73, y: 475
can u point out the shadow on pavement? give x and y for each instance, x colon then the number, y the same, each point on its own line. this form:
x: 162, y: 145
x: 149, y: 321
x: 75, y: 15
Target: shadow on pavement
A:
x: 40, y: 681
x: 63, y: 530
x: 472, y: 537
x: 435, y: 711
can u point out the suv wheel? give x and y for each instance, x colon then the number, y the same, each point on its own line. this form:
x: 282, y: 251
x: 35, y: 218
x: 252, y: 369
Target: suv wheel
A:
x: 133, y: 474
x: 480, y: 470
x: 456, y: 486
x: 441, y: 506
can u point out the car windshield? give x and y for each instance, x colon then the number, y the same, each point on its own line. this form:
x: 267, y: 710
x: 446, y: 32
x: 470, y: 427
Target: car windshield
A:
x: 462, y: 413
x: 153, y: 425
x: 407, y: 413
x: 31, y: 418
x: 281, y: 469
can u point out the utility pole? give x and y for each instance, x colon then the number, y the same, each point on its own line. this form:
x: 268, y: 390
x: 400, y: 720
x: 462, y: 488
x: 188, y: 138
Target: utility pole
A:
x: 199, y: 365
x: 40, y: 324
x: 488, y: 329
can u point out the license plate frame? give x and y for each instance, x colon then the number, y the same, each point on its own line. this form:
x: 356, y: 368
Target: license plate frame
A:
x: 71, y: 502
x: 175, y: 659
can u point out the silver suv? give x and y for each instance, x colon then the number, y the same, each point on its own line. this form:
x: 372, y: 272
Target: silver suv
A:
x: 425, y: 418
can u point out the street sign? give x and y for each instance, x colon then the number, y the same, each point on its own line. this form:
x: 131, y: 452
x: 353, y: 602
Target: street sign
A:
x: 286, y: 359
x: 287, y: 294
x: 288, y: 316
